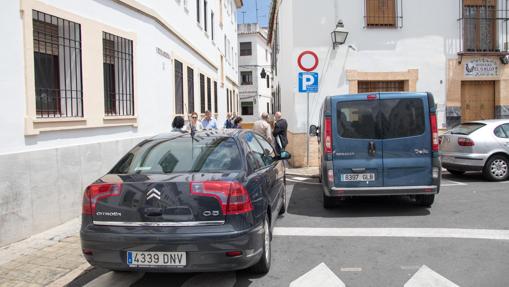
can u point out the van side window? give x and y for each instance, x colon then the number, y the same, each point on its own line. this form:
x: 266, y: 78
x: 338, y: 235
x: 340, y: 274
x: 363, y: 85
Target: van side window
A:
x: 402, y: 118
x: 358, y: 120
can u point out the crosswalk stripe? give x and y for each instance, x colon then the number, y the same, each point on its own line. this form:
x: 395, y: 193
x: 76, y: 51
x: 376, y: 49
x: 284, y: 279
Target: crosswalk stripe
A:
x: 426, y: 277
x: 492, y: 234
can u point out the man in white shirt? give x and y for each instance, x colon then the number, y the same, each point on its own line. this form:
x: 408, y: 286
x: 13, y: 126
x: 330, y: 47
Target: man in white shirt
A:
x: 263, y: 127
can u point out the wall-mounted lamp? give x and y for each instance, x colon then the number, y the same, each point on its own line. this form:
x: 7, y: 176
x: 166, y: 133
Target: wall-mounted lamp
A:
x: 263, y: 74
x: 504, y: 60
x: 339, y: 35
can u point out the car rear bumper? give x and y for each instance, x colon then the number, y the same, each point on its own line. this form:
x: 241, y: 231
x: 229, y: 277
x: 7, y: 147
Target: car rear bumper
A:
x: 382, y: 191
x: 204, y: 252
x: 463, y: 162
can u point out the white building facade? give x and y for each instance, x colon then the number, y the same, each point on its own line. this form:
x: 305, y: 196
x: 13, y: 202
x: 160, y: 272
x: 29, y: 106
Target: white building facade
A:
x: 255, y: 72
x: 456, y: 50
x: 84, y: 81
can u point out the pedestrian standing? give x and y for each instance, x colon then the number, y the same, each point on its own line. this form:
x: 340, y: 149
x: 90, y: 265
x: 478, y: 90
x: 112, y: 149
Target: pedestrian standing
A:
x: 262, y: 127
x: 228, y: 124
x: 280, y: 132
x: 195, y: 124
x: 208, y: 122
x: 237, y: 123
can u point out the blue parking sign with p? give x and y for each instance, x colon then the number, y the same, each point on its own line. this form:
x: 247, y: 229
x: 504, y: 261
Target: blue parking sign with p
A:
x: 308, y: 82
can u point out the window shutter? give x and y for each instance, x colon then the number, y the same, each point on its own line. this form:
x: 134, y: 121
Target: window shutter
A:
x: 381, y: 13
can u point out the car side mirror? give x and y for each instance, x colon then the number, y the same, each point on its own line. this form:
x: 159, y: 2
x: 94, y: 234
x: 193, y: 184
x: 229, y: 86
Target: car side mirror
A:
x: 313, y: 130
x: 283, y: 156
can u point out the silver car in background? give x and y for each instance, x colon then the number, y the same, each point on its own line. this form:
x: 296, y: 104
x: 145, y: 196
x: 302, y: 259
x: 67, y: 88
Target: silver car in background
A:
x: 477, y: 146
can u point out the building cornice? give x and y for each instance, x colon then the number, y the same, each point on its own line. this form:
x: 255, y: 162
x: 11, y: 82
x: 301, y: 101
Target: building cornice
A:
x: 272, y: 19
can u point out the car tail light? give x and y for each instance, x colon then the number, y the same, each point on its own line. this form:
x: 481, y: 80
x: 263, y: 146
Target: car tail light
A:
x: 328, y: 136
x: 233, y: 253
x: 372, y: 97
x: 232, y: 196
x: 434, y: 131
x: 465, y: 142
x: 96, y: 192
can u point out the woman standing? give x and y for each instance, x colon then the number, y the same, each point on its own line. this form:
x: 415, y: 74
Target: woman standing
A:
x: 237, y: 123
x: 195, y: 124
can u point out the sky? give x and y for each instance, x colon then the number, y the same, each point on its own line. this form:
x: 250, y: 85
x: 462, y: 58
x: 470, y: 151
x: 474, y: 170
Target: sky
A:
x: 250, y: 12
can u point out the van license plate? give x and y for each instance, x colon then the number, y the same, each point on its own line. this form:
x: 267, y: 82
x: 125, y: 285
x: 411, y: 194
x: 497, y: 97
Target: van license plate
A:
x: 148, y: 258
x: 358, y: 177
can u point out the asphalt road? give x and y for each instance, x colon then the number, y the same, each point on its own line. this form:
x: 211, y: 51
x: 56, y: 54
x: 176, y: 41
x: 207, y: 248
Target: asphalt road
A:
x: 462, y: 240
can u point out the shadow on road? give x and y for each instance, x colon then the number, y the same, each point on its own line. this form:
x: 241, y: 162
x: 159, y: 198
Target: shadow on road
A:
x: 306, y: 200
x: 468, y: 177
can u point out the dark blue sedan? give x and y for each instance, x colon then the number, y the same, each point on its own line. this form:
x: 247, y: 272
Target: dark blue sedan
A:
x: 197, y: 202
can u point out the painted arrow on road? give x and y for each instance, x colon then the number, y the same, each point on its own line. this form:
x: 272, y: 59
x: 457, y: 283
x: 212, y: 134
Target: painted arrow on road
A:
x: 321, y: 276
x: 425, y: 277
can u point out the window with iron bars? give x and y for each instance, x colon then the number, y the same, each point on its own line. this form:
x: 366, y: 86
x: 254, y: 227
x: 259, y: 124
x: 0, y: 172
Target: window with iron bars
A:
x: 179, y: 88
x: 383, y: 13
x: 57, y: 66
x: 481, y: 23
x: 380, y: 86
x: 118, y: 75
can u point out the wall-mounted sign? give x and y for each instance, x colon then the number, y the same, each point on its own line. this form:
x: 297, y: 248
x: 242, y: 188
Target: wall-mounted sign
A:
x: 163, y: 53
x: 481, y: 67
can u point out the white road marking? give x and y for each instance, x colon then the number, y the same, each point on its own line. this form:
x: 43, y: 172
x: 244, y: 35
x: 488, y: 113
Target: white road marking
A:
x: 289, y: 192
x: 350, y: 269
x: 116, y: 279
x: 492, y: 234
x: 300, y: 178
x: 453, y: 183
x: 321, y: 276
x: 303, y: 182
x: 225, y: 279
x: 425, y: 277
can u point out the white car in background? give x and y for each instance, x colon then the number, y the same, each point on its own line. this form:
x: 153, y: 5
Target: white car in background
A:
x: 477, y: 146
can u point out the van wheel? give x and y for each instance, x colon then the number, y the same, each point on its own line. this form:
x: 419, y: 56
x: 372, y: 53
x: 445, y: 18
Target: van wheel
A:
x: 263, y: 266
x: 328, y: 202
x: 496, y: 168
x: 424, y: 200
x: 455, y: 172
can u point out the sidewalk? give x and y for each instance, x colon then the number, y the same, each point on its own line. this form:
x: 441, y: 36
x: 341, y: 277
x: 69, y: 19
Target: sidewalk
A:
x: 303, y: 171
x: 51, y: 258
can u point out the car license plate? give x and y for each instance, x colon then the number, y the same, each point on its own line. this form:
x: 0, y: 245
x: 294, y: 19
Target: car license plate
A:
x: 358, y: 177
x: 149, y: 258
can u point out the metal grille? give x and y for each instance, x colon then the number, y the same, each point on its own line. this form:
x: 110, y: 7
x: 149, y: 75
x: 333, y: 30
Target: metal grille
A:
x: 245, y: 49
x: 179, y: 88
x: 209, y: 95
x: 383, y: 13
x: 190, y: 90
x: 215, y: 97
x: 118, y: 75
x: 57, y: 66
x: 202, y: 93
x: 381, y: 86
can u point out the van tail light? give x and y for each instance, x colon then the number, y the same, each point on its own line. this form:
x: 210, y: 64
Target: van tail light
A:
x: 465, y: 142
x: 96, y: 192
x: 232, y: 196
x: 330, y: 177
x: 327, y: 144
x: 434, y: 131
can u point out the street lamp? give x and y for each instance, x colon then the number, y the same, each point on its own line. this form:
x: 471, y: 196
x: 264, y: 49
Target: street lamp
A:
x: 263, y: 74
x: 339, y: 35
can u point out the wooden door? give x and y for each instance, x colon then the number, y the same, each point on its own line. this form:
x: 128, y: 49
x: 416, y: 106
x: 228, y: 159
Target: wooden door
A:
x: 477, y: 100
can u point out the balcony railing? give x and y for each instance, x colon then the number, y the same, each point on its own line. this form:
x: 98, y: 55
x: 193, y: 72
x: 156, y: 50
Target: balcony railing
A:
x: 483, y: 30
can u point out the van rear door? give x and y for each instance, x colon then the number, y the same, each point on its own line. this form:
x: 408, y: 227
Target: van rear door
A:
x: 406, y: 133
x: 357, y: 144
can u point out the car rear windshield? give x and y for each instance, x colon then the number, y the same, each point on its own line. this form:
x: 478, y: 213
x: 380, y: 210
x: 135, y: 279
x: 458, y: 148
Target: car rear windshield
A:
x: 466, y: 128
x: 202, y: 154
x: 384, y: 119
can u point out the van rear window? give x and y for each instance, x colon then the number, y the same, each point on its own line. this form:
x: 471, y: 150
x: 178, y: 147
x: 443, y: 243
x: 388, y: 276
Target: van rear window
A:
x: 384, y: 119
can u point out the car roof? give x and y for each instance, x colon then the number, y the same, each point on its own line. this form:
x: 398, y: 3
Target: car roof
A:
x: 383, y: 93
x: 489, y: 122
x: 202, y: 133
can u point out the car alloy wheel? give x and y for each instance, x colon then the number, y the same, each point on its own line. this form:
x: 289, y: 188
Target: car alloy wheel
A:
x: 498, y: 168
x: 263, y: 265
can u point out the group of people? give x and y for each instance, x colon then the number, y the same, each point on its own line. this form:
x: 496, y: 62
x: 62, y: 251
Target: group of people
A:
x: 274, y: 131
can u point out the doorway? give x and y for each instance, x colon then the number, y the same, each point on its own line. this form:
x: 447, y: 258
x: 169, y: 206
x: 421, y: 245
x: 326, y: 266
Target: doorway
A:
x: 477, y: 100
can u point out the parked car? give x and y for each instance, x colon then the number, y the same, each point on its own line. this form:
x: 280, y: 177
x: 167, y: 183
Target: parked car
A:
x: 379, y: 144
x: 477, y: 146
x: 187, y: 203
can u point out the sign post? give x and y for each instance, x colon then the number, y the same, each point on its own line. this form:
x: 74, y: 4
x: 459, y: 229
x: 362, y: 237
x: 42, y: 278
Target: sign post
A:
x: 308, y: 83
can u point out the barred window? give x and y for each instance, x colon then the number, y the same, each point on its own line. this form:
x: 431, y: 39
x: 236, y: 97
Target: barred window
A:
x: 245, y: 49
x: 209, y: 95
x: 382, y: 13
x: 190, y: 90
x: 380, y: 86
x: 57, y: 66
x: 118, y: 75
x: 179, y: 88
x: 202, y: 93
x: 215, y: 97
x: 228, y: 101
x: 246, y: 78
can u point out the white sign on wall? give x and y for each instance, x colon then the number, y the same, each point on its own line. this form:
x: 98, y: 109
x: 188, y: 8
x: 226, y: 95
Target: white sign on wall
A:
x: 481, y: 67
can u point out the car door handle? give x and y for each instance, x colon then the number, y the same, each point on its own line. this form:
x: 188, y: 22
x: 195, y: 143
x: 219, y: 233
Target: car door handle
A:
x: 371, y: 149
